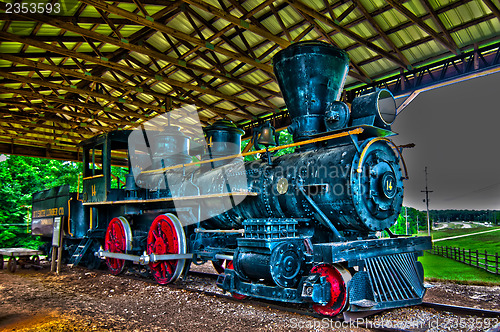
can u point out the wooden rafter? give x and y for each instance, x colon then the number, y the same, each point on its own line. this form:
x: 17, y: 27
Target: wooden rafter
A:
x: 493, y: 8
x: 129, y: 69
x: 68, y: 74
x: 173, y: 32
x: 382, y: 33
x: 439, y: 23
x: 322, y: 18
x: 238, y: 21
x: 421, y: 24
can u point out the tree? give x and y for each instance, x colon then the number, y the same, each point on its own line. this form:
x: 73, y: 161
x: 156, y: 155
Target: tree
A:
x: 21, y: 177
x: 400, y: 226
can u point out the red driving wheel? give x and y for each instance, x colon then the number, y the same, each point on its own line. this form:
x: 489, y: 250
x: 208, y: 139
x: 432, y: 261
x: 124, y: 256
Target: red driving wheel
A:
x: 338, y: 291
x: 163, y: 239
x: 116, y: 241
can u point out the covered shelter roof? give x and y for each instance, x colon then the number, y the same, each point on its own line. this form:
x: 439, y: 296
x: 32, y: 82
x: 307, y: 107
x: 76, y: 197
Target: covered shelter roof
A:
x: 72, y: 69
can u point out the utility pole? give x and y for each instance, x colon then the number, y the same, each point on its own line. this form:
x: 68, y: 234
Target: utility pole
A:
x: 406, y: 217
x: 426, y: 200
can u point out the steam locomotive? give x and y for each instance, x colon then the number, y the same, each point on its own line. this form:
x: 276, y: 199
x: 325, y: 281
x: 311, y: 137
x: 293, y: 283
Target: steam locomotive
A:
x: 301, y: 227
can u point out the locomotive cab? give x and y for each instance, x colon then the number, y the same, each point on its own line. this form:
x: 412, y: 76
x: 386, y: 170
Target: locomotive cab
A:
x: 99, y: 184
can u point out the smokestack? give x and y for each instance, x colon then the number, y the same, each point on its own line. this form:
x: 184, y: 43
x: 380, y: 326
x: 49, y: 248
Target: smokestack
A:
x: 311, y: 76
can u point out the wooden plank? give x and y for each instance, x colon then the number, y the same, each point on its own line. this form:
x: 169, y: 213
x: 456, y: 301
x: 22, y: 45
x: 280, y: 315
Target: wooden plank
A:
x: 17, y: 252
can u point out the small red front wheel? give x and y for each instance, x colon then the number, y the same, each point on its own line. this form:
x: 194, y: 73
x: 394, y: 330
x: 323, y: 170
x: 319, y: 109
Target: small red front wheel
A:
x: 337, y: 277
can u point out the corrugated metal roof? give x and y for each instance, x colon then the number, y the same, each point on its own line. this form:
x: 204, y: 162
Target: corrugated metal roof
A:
x: 115, y: 63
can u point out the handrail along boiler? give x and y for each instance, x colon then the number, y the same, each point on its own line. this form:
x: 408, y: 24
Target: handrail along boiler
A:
x: 301, y: 228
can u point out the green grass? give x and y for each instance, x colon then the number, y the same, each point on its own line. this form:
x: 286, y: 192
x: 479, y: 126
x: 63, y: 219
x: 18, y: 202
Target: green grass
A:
x: 441, y: 268
x: 488, y: 241
x: 459, y: 231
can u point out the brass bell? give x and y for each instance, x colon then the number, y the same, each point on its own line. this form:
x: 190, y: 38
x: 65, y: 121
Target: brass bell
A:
x: 267, y: 136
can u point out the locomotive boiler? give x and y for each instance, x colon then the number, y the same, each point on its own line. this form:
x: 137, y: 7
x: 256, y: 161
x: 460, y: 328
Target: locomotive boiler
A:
x: 302, y: 227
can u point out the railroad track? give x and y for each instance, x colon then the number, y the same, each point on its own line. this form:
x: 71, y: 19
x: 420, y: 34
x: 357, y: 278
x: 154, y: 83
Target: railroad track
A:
x: 302, y: 310
x: 463, y: 311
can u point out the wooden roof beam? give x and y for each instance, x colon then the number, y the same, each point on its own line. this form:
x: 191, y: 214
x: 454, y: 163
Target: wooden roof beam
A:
x: 322, y: 18
x: 280, y: 22
x: 249, y: 49
x: 217, y: 110
x: 67, y: 101
x: 111, y: 123
x: 110, y: 24
x: 26, y: 121
x: 382, y: 33
x: 420, y: 23
x: 429, y: 38
x: 238, y: 21
x: 346, y: 13
x: 216, y: 61
x: 493, y: 8
x: 135, y: 71
x: 141, y: 7
x: 50, y: 137
x: 439, y: 23
x: 176, y: 33
x: 116, y: 100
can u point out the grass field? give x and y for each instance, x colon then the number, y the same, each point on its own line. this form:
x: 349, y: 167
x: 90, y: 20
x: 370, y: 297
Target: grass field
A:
x: 487, y: 241
x: 461, y: 231
x: 441, y: 268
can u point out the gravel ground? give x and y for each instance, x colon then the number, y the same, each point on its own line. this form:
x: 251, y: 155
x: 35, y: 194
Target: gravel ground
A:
x: 84, y: 300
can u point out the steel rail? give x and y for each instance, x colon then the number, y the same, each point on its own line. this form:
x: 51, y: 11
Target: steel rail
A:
x: 462, y: 310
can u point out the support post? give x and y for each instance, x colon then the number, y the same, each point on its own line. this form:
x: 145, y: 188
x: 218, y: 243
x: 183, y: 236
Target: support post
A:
x: 56, y: 243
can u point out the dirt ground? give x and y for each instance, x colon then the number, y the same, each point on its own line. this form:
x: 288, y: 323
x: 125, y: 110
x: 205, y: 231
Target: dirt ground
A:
x: 84, y: 300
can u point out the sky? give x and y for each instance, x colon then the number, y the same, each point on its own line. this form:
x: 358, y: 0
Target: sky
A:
x: 456, y: 132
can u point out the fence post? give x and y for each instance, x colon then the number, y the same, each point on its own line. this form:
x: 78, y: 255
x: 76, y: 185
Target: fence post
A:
x: 477, y: 258
x: 470, y: 258
x: 486, y: 260
x: 496, y: 261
